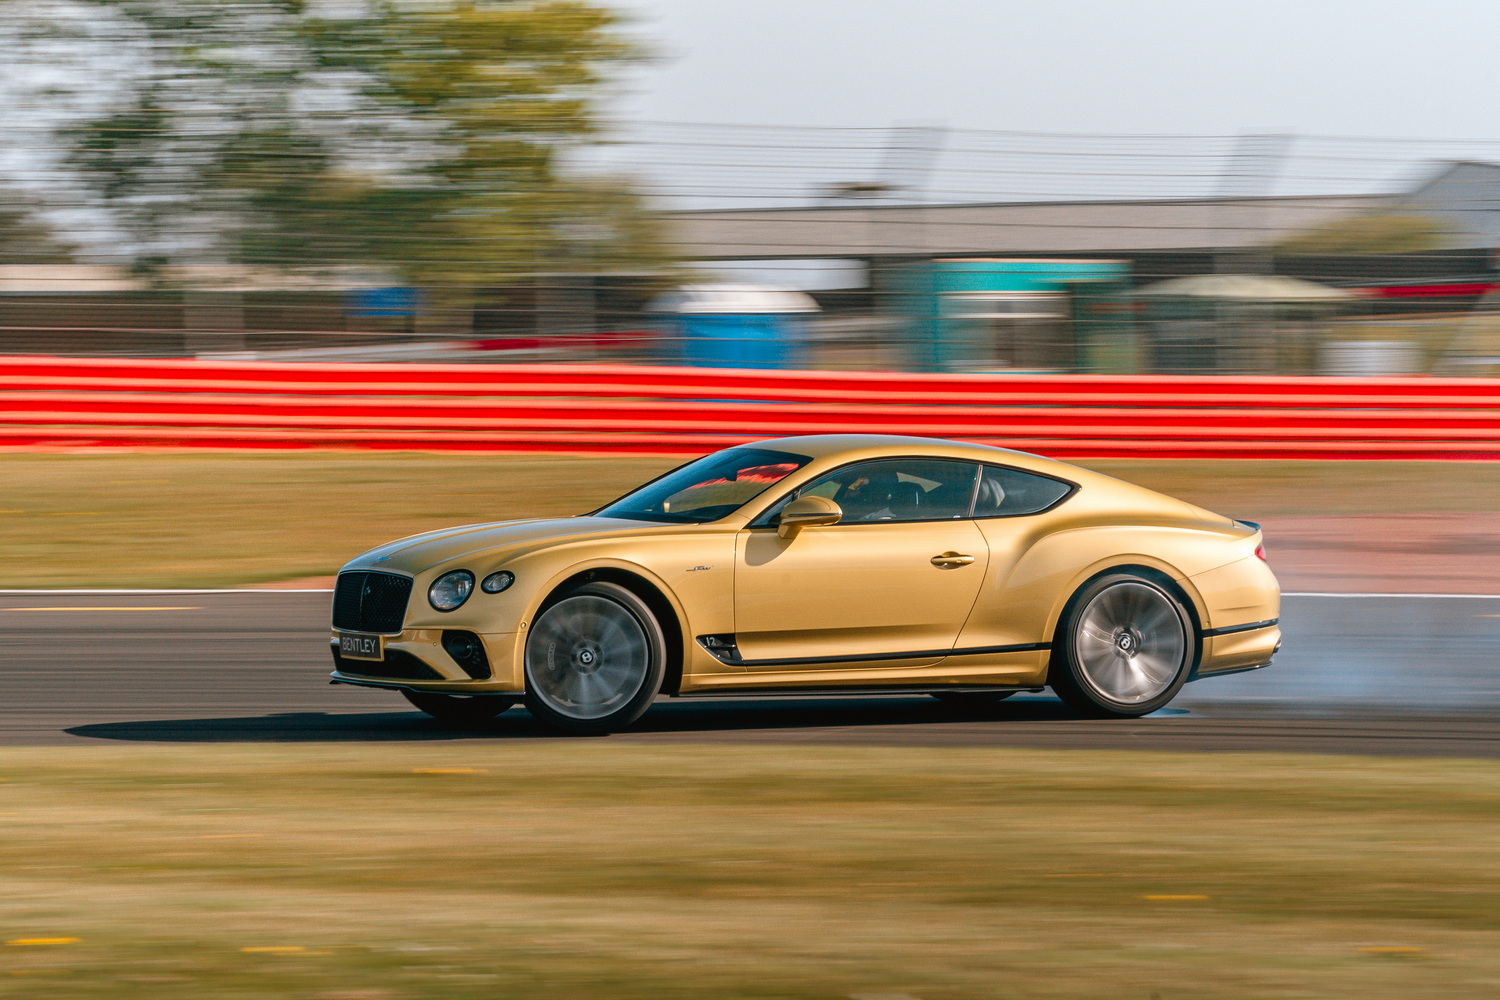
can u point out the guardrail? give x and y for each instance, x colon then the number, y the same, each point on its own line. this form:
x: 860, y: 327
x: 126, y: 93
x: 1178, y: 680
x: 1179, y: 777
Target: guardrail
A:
x: 76, y: 403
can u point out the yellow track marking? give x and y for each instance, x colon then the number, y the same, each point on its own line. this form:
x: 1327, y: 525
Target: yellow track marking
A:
x: 1179, y: 898
x: 36, y: 942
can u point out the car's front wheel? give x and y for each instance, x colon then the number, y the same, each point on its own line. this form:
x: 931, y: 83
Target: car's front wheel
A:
x: 594, y: 660
x: 459, y: 708
x: 1124, y: 647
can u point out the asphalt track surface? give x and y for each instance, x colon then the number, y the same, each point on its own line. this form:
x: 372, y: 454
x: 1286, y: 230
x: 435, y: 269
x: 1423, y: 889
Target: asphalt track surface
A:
x: 1371, y: 674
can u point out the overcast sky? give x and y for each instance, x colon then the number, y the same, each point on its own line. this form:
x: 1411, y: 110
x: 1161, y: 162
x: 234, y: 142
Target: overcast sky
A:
x: 1340, y: 67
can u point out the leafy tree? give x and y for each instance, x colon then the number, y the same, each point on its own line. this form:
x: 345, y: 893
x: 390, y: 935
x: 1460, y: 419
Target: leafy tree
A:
x: 426, y: 136
x: 24, y: 239
x: 1372, y: 233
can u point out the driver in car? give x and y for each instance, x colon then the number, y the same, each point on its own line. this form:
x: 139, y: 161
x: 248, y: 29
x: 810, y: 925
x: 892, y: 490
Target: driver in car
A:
x: 880, y: 496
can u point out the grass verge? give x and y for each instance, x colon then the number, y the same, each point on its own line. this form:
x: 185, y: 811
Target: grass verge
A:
x: 584, y: 870
x: 191, y: 520
x: 186, y: 520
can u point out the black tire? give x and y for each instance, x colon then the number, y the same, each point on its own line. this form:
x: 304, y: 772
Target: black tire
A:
x: 459, y: 708
x: 971, y: 700
x: 1124, y: 647
x: 595, y: 659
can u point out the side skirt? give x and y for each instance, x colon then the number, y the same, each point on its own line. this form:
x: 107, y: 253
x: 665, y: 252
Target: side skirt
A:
x: 837, y: 692
x: 724, y: 649
x: 741, y: 692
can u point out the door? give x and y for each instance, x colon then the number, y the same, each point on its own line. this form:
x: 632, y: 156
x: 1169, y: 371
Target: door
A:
x: 894, y: 579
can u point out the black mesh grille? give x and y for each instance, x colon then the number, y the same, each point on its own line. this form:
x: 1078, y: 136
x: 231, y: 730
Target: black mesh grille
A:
x: 397, y: 665
x: 370, y: 602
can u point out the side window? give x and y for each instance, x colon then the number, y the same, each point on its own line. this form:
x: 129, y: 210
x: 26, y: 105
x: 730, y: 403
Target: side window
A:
x: 1004, y: 492
x: 902, y: 489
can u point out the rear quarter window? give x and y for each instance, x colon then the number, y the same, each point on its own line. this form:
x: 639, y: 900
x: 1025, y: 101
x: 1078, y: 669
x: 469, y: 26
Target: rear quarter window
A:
x: 1011, y: 492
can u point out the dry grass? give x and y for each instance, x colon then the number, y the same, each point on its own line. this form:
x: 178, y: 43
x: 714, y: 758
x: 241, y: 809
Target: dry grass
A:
x: 214, y: 519
x: 1252, y: 488
x: 591, y: 870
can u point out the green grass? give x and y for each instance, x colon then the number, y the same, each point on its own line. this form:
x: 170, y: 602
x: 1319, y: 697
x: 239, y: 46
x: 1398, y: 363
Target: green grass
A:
x: 629, y: 871
x: 186, y: 520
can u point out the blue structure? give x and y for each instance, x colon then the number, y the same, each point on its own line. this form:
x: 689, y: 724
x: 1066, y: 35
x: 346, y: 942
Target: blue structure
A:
x: 1019, y: 315
x: 736, y: 326
x: 384, y: 303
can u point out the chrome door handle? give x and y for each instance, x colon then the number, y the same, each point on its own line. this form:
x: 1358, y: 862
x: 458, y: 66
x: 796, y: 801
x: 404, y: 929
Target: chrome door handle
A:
x: 951, y: 560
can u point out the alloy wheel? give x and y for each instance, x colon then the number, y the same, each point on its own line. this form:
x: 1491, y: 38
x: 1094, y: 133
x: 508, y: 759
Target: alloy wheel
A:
x: 587, y: 657
x: 1130, y: 642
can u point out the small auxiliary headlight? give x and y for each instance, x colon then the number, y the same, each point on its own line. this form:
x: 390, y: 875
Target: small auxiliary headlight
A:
x: 496, y: 582
x: 449, y: 591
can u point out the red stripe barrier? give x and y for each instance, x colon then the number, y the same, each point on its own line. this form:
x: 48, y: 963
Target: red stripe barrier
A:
x: 72, y: 403
x: 615, y: 381
x: 729, y: 418
x: 83, y: 438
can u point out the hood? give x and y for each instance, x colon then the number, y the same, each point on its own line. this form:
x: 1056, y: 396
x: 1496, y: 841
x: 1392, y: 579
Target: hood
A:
x: 417, y: 553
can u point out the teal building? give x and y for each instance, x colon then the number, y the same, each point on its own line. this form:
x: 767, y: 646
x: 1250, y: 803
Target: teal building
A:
x: 996, y: 315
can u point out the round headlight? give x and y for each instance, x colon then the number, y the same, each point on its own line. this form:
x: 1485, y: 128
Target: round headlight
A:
x: 496, y: 582
x: 449, y: 591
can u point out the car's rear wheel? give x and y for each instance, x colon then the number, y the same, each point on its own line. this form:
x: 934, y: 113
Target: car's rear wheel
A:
x: 594, y: 660
x: 463, y: 708
x: 1124, y: 647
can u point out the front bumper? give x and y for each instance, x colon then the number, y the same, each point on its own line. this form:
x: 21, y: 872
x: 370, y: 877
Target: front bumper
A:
x: 417, y: 660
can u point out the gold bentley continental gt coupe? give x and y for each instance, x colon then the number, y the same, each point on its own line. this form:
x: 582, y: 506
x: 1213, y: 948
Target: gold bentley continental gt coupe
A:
x: 834, y: 564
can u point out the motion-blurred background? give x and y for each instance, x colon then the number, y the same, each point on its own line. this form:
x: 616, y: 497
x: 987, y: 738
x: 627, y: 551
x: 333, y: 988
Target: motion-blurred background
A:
x: 542, y: 227
x: 281, y: 280
x: 470, y: 181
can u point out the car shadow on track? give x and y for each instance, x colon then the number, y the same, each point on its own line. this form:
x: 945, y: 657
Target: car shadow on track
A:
x: 730, y: 718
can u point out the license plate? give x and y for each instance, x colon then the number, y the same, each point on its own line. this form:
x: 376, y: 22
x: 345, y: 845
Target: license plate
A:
x: 359, y: 646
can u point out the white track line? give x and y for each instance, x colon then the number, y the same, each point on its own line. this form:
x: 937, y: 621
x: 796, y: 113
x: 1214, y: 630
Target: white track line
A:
x: 106, y: 593
x: 1448, y: 597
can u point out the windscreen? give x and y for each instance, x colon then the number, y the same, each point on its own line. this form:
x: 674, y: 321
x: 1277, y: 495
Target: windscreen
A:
x: 712, y: 487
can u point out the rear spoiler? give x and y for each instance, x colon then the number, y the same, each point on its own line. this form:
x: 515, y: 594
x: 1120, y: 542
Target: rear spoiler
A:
x: 1248, y: 524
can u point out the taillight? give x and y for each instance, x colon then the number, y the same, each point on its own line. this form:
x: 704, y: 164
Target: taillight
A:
x: 1260, y: 552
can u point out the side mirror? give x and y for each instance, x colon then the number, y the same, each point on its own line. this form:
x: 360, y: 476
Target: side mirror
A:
x: 807, y: 512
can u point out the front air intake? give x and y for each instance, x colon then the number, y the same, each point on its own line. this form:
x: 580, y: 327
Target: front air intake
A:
x: 398, y: 665
x: 370, y: 602
x: 467, y: 651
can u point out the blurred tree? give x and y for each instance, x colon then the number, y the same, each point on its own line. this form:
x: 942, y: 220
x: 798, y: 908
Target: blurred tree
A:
x: 1377, y: 232
x: 430, y: 137
x: 24, y: 239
